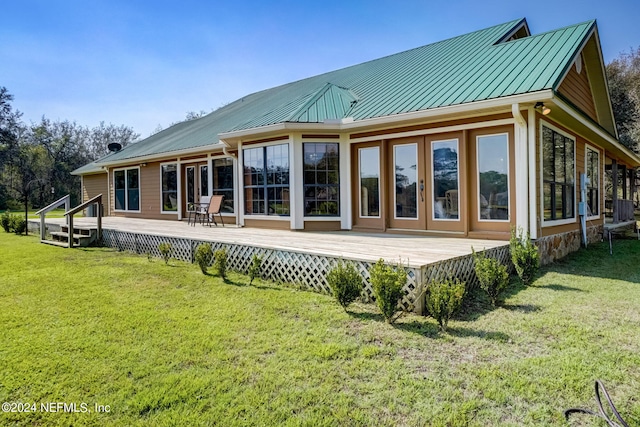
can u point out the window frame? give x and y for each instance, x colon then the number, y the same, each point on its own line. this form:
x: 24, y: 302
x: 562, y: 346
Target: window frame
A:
x: 477, y: 171
x: 433, y: 179
x: 305, y: 186
x: 162, y: 192
x: 215, y: 190
x: 126, y: 190
x: 562, y: 221
x: 588, y: 148
x: 378, y: 151
x: 395, y: 192
x: 265, y: 186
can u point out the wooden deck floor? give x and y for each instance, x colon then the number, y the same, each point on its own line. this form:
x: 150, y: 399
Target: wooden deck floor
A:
x: 417, y: 250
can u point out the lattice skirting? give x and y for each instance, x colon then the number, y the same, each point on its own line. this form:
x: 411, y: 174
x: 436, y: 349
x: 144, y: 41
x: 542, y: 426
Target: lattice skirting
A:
x: 34, y: 227
x: 298, y: 268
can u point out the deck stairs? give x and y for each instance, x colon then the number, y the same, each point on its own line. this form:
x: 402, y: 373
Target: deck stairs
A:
x: 71, y: 236
x: 82, y: 237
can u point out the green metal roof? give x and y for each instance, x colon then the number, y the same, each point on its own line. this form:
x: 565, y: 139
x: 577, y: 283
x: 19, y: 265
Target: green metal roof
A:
x: 472, y: 67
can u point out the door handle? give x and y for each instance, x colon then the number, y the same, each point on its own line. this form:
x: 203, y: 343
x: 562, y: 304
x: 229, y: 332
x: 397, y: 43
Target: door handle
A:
x: 422, y: 190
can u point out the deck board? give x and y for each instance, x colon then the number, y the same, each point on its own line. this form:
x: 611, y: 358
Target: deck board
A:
x: 416, y: 250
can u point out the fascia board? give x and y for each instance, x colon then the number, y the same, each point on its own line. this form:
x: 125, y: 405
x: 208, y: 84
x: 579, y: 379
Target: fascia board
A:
x: 164, y: 155
x: 596, y: 129
x: 503, y: 102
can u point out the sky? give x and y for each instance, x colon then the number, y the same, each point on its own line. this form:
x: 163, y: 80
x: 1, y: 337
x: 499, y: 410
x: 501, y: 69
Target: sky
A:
x: 146, y: 64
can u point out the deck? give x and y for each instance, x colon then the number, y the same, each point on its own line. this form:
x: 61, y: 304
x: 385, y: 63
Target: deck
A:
x: 304, y: 257
x: 415, y: 250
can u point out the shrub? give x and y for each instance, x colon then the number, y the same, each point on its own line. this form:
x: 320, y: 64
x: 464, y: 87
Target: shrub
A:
x: 492, y: 275
x: 444, y: 299
x: 18, y: 224
x: 165, y: 251
x: 255, y: 268
x: 203, y: 256
x: 5, y: 221
x: 220, y: 262
x: 524, y: 255
x: 387, y: 283
x: 345, y: 283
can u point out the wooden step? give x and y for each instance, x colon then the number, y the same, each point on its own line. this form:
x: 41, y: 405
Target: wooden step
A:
x: 55, y: 243
x: 85, y: 231
x: 78, y: 239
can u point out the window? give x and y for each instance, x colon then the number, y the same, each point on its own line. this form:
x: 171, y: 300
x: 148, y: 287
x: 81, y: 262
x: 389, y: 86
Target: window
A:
x: 406, y: 194
x: 126, y: 183
x: 493, y: 177
x: 445, y: 179
x: 369, y: 182
x: 593, y: 173
x: 558, y: 175
x: 321, y: 179
x: 169, y: 187
x: 266, y: 180
x: 223, y: 182
x: 204, y: 180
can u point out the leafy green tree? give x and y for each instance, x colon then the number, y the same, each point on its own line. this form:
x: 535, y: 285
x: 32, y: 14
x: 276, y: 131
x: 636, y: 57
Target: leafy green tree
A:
x: 623, y: 75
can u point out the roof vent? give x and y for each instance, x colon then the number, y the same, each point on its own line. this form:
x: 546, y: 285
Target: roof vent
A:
x: 114, y: 147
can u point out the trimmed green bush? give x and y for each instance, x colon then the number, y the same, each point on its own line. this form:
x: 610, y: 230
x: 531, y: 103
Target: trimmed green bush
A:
x: 5, y: 221
x: 18, y: 224
x: 387, y: 283
x: 345, y: 283
x: 220, y: 262
x: 203, y: 256
x: 443, y: 299
x: 492, y: 275
x: 255, y: 269
x: 524, y: 255
x: 165, y: 251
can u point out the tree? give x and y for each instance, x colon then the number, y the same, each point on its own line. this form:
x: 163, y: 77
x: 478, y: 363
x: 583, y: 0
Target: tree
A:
x: 101, y: 136
x: 623, y: 75
x: 10, y: 130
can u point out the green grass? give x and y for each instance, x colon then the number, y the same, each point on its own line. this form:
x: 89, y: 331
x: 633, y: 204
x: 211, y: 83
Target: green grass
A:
x: 56, y: 213
x: 167, y: 345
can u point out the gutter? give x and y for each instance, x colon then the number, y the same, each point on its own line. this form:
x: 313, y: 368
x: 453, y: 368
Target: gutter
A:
x: 161, y: 156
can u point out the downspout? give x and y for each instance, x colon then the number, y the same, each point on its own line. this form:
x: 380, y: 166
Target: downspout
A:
x: 521, y: 170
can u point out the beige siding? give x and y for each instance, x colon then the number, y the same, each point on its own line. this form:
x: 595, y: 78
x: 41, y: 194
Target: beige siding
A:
x: 149, y: 194
x: 577, y: 89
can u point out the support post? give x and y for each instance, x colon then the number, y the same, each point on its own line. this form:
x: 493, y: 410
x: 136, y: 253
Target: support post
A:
x: 614, y: 198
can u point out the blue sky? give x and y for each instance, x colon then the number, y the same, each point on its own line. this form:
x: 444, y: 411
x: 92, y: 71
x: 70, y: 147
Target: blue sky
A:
x: 147, y: 63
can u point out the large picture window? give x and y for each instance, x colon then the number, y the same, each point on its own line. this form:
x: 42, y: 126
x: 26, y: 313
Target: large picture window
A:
x: 593, y: 173
x: 126, y: 184
x: 369, y: 171
x: 493, y: 177
x: 321, y: 179
x: 558, y: 175
x: 406, y: 174
x: 445, y: 179
x: 169, y: 187
x: 223, y: 182
x: 266, y: 180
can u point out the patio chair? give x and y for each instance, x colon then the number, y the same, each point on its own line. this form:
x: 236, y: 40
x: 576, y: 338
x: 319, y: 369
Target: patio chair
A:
x: 215, y: 207
x: 199, y: 210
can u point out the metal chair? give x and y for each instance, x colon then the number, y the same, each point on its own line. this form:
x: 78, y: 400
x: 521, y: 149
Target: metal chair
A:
x: 215, y: 207
x: 199, y: 210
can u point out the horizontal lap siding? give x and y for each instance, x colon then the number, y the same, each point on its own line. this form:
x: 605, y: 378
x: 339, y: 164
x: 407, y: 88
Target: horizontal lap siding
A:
x: 149, y: 195
x: 92, y: 185
x: 577, y: 89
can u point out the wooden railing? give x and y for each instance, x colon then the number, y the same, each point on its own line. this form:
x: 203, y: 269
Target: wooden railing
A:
x: 66, y: 201
x: 97, y: 200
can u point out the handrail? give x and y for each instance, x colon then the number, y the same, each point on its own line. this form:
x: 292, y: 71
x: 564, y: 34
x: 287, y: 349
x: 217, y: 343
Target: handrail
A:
x: 96, y: 199
x: 70, y: 213
x: 67, y: 204
x: 66, y: 200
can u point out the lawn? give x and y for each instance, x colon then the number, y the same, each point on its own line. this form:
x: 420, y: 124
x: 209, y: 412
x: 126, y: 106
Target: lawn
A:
x: 165, y: 345
x: 56, y: 213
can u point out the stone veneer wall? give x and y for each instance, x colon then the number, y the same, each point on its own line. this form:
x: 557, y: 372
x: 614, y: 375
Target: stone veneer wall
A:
x: 558, y: 246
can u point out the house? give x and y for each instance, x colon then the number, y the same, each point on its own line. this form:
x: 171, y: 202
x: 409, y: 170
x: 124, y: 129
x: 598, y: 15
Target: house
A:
x: 468, y: 137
